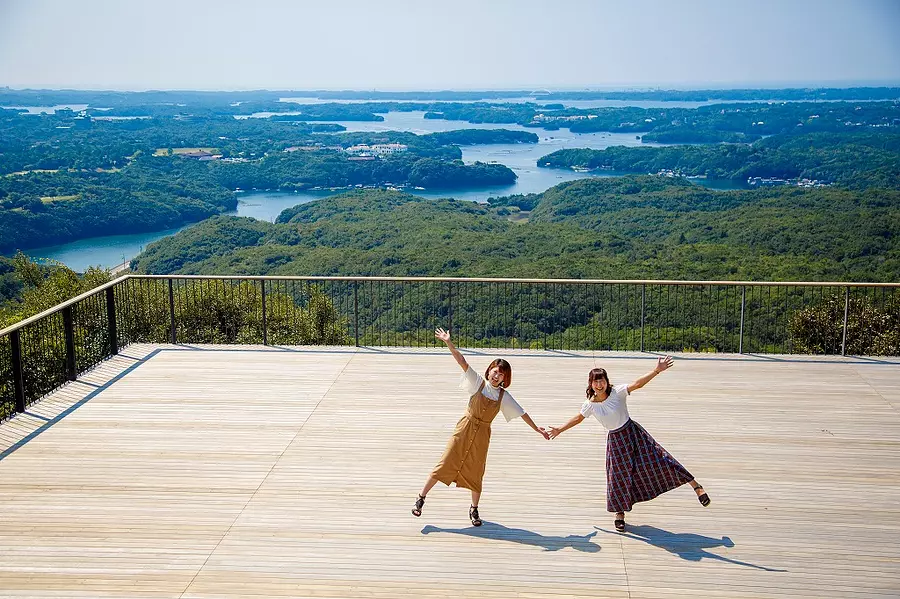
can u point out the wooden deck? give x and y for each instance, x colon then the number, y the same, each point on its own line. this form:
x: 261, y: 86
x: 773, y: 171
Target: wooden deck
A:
x: 212, y: 472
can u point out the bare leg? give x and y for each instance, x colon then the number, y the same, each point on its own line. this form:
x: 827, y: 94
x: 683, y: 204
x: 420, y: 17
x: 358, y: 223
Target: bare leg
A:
x: 420, y: 501
x: 476, y: 495
x: 428, y: 485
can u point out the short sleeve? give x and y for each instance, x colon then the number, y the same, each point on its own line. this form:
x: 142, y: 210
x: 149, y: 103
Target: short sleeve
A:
x: 470, y: 381
x: 621, y: 390
x: 587, y: 408
x: 510, y: 407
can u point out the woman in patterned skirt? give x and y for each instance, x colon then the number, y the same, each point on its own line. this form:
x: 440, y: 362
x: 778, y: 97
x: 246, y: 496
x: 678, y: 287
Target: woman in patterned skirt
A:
x: 637, y: 467
x: 465, y: 458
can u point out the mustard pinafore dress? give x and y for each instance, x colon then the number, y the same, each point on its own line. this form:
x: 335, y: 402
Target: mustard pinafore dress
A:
x: 464, y: 459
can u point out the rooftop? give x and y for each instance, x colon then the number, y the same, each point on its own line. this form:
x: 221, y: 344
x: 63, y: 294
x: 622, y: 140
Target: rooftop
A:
x: 226, y: 471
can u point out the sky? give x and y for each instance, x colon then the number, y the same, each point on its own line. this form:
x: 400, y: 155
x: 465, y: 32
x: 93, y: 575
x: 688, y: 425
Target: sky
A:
x: 464, y: 44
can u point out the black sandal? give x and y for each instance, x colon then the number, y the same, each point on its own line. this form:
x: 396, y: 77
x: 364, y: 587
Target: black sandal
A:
x: 473, y: 516
x: 702, y: 498
x: 620, y: 524
x: 420, y: 502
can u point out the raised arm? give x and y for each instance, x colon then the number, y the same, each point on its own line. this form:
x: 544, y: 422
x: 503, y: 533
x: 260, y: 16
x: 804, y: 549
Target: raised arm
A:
x: 661, y: 365
x: 445, y: 337
x: 555, y: 432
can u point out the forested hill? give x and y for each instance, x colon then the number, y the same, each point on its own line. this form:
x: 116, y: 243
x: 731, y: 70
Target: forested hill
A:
x: 857, y: 160
x: 629, y: 227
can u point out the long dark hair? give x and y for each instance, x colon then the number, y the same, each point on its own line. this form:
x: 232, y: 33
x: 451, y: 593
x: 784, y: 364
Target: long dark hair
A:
x: 505, y: 370
x: 597, y: 373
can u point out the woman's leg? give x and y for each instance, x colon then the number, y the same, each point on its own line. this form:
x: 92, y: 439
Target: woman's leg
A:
x: 428, y: 485
x: 420, y: 500
x: 473, y: 511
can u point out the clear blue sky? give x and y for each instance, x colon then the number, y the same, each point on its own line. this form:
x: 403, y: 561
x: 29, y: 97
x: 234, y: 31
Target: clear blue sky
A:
x: 465, y: 44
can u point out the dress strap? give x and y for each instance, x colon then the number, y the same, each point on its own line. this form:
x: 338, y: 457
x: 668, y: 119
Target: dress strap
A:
x: 481, y: 386
x: 500, y: 395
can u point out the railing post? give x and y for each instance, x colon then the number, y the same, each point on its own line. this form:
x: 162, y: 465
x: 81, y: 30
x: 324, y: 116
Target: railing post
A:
x: 265, y: 321
x: 846, y: 314
x: 743, y: 305
x: 356, y: 311
x: 17, y: 371
x: 643, y: 299
x: 172, y: 336
x: 69, y: 333
x: 450, y: 304
x: 111, y: 321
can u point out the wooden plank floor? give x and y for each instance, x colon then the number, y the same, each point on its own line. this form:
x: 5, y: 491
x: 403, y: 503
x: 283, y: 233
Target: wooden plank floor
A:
x: 210, y: 472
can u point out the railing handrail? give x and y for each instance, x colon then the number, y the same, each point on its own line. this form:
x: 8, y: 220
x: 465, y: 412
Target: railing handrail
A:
x: 517, y: 280
x: 58, y: 307
x: 105, y: 286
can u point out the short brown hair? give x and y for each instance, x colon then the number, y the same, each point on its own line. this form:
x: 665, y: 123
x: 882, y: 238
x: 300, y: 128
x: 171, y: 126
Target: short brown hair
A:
x: 595, y: 374
x: 505, y: 370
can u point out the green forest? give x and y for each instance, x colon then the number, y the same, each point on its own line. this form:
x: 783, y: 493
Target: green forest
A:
x: 629, y: 227
x: 633, y: 227
x: 854, y: 160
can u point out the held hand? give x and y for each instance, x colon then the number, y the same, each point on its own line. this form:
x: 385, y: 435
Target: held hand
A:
x: 442, y: 335
x: 664, y: 363
x: 554, y: 432
x: 544, y: 433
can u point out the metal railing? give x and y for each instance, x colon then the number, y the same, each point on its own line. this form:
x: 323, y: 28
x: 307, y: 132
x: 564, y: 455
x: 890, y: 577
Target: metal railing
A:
x: 45, y: 351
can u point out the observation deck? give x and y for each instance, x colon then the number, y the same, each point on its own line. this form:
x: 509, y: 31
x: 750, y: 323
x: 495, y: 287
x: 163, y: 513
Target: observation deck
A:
x: 202, y: 471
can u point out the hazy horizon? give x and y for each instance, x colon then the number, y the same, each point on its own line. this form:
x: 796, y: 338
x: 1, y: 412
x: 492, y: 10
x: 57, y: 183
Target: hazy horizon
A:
x: 401, y: 45
x: 687, y: 86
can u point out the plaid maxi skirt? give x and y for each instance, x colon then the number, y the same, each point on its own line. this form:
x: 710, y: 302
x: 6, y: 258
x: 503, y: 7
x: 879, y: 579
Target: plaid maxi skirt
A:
x: 638, y: 468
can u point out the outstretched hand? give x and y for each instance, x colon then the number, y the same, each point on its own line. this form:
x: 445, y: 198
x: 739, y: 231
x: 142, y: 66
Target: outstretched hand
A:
x: 554, y: 432
x: 442, y: 334
x: 544, y: 433
x: 664, y: 363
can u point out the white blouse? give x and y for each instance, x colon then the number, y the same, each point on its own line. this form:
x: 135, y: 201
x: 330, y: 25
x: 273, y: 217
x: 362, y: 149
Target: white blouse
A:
x: 612, y: 412
x: 471, y: 380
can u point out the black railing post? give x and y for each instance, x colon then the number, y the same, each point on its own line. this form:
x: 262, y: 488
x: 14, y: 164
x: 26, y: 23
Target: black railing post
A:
x: 450, y: 304
x: 17, y: 370
x: 69, y: 332
x: 111, y: 321
x: 356, y: 311
x: 643, y: 300
x: 743, y: 307
x: 265, y: 322
x: 172, y: 337
x: 846, y: 314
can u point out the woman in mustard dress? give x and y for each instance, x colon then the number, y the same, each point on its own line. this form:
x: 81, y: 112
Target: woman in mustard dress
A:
x: 465, y: 458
